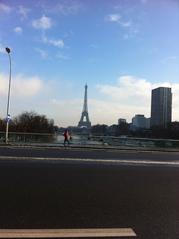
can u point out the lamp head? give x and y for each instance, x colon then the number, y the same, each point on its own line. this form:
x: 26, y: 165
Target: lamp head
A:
x: 8, y: 50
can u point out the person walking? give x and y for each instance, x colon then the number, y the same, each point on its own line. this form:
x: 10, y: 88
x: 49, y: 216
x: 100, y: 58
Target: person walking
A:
x: 66, y: 137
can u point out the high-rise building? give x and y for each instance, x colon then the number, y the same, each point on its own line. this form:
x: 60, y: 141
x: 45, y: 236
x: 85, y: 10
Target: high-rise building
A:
x: 161, y: 106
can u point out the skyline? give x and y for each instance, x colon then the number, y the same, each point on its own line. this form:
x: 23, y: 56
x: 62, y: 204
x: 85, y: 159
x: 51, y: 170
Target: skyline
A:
x: 122, y: 49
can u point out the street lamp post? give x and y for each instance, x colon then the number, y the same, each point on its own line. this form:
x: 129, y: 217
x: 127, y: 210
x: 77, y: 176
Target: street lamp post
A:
x: 8, y: 99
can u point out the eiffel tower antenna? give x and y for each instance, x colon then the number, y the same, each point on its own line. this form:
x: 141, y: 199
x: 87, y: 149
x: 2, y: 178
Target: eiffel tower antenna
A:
x: 84, y: 121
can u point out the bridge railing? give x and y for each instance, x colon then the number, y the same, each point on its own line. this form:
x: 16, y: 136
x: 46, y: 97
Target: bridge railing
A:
x: 137, y: 142
x: 89, y: 140
x: 21, y: 137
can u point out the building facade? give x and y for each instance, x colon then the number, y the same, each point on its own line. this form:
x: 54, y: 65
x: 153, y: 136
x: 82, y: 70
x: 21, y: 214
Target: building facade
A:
x: 122, y: 121
x: 161, y: 106
x: 140, y: 122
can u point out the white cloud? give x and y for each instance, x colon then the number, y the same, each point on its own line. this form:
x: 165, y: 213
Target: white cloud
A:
x: 42, y: 23
x: 129, y: 96
x: 100, y: 111
x: 66, y: 8
x: 58, y: 43
x: 129, y: 89
x: 68, y: 113
x: 117, y: 18
x: 18, y: 30
x: 43, y: 54
x: 23, y: 11
x: 2, y: 49
x: 108, y: 112
x: 21, y: 86
x: 5, y: 8
x: 114, y: 17
x: 126, y: 24
x: 54, y: 42
x: 132, y: 95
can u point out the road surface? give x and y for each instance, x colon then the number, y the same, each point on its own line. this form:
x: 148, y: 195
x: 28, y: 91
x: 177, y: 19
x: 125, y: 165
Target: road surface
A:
x: 56, y: 194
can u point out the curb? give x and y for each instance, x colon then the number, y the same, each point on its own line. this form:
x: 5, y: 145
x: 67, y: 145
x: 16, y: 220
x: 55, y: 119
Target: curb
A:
x: 90, y: 147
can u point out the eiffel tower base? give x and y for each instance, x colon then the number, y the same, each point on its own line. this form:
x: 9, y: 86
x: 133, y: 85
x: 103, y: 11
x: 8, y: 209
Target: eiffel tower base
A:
x: 83, y: 124
x: 84, y: 121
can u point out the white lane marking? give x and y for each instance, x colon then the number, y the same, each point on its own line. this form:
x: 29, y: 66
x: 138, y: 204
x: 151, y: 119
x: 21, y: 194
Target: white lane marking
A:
x: 105, y: 161
x: 54, y: 233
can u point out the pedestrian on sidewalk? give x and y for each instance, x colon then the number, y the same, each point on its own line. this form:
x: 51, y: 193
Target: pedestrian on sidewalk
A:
x: 66, y: 137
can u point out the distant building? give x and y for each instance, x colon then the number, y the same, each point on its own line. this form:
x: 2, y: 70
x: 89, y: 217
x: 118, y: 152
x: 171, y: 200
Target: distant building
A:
x: 121, y: 121
x: 148, y: 123
x: 161, y: 106
x: 112, y: 130
x: 140, y: 122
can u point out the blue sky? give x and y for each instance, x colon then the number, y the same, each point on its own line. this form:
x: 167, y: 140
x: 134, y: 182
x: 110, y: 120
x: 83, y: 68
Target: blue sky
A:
x: 120, y: 48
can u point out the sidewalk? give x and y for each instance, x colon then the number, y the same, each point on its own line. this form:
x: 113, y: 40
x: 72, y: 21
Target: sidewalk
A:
x: 90, y: 147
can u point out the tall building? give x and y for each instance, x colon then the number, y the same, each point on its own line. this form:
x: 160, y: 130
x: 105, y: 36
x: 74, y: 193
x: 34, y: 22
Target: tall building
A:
x: 161, y: 106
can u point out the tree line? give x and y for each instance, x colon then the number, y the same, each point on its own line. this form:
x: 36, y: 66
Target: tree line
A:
x: 123, y: 129
x: 29, y: 122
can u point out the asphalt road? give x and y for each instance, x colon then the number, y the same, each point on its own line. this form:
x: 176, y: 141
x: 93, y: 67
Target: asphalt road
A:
x: 82, y: 153
x: 56, y: 194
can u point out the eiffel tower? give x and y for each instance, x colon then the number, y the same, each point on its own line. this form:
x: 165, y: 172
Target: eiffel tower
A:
x: 84, y: 121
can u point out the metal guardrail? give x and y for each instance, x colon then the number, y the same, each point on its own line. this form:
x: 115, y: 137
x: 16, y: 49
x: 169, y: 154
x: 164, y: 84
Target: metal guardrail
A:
x: 24, y: 137
x: 137, y: 142
x: 84, y: 139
